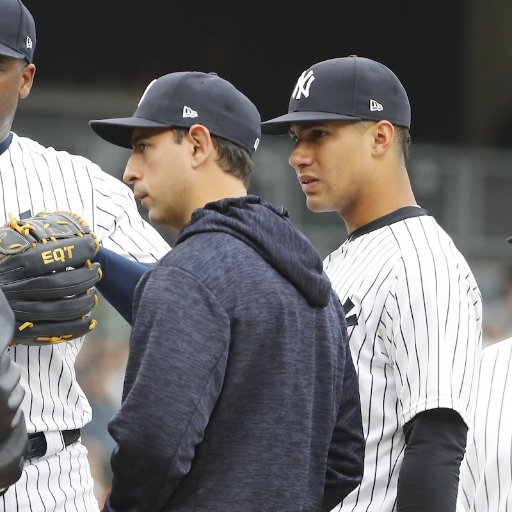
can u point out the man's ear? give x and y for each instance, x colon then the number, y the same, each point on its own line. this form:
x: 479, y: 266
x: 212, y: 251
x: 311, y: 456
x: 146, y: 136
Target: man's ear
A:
x: 202, y: 145
x: 383, y: 134
x: 27, y: 78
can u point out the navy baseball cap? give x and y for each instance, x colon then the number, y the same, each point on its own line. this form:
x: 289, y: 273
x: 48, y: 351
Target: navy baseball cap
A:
x: 186, y: 98
x: 347, y: 88
x: 17, y: 31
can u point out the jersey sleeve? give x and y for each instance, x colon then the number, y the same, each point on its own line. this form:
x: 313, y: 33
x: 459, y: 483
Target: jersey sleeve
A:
x: 436, y: 332
x: 118, y: 223
x: 176, y: 366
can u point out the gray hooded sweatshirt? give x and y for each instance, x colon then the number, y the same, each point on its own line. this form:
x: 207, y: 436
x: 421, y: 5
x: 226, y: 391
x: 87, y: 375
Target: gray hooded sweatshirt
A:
x: 240, y: 392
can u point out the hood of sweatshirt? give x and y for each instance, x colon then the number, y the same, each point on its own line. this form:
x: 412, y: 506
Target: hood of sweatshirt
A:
x: 270, y: 232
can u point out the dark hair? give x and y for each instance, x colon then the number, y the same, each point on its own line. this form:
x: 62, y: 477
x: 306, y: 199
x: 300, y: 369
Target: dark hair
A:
x: 231, y: 158
x: 403, y: 139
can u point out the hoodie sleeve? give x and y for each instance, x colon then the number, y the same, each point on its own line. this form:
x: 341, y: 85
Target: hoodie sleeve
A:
x: 178, y: 355
x: 346, y: 453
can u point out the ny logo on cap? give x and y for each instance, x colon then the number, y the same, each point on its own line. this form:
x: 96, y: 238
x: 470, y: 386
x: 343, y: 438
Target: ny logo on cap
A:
x: 188, y: 112
x: 303, y: 85
x: 29, y: 43
x: 375, y: 106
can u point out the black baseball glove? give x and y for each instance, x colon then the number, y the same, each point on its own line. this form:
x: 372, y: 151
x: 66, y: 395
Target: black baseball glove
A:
x: 47, y: 276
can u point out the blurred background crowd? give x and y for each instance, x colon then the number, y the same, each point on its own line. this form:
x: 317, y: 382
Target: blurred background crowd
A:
x: 454, y: 58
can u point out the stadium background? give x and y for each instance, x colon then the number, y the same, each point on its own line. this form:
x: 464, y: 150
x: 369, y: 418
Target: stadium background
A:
x: 95, y: 59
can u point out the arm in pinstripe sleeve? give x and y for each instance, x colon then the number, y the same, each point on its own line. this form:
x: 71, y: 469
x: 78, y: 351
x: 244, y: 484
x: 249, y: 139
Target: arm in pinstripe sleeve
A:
x: 118, y: 223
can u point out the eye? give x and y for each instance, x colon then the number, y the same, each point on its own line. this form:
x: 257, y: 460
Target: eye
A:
x: 293, y: 137
x: 317, y: 134
x: 141, y: 146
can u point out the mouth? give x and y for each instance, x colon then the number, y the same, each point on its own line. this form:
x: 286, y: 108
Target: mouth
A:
x: 308, y: 183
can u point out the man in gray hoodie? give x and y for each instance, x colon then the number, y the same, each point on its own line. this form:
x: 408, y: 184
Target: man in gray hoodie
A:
x: 240, y: 391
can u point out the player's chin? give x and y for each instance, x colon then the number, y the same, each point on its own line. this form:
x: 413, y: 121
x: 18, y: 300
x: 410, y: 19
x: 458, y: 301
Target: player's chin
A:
x: 156, y: 216
x: 315, y: 204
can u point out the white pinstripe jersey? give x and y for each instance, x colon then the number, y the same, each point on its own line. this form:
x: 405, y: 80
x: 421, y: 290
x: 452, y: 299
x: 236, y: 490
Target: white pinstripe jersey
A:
x: 33, y: 179
x: 414, y: 320
x: 486, y: 471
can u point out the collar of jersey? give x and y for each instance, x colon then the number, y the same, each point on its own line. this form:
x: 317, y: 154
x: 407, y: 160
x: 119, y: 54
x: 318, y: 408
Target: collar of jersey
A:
x: 401, y: 214
x: 6, y: 143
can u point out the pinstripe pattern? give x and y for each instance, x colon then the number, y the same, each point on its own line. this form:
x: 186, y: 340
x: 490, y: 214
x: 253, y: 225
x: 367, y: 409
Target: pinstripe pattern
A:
x: 416, y: 341
x: 486, y: 471
x: 34, y: 178
x: 61, y: 482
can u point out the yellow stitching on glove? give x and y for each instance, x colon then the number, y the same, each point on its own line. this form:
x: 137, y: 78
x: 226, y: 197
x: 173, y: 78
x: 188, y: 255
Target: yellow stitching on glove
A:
x: 15, y: 246
x: 93, y: 324
x: 13, y: 223
x: 88, y: 263
x: 62, y: 222
x: 25, y: 325
x: 53, y: 340
x: 26, y: 228
x: 53, y: 239
x: 100, y: 273
x: 96, y: 300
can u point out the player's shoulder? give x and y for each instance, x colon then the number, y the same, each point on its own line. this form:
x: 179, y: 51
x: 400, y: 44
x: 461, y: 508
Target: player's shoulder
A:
x: 36, y: 148
x: 98, y: 176
x: 498, y: 349
x: 423, y: 239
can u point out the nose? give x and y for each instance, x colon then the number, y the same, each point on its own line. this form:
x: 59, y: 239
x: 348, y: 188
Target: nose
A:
x: 300, y: 156
x: 131, y: 171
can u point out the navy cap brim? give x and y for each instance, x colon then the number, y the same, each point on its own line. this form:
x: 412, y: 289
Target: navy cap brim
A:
x: 280, y: 125
x: 119, y: 131
x: 9, y: 52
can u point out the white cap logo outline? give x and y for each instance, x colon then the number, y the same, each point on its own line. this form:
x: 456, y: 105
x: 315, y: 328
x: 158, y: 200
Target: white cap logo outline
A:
x: 188, y: 112
x: 303, y: 85
x: 375, y: 106
x: 29, y: 43
x: 145, y: 92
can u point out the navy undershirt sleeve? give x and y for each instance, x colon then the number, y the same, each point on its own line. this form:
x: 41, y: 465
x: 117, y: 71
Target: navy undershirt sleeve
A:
x: 429, y: 476
x: 120, y: 277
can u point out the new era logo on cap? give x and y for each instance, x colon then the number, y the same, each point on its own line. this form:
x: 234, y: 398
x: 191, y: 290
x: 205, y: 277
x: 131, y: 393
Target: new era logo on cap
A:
x: 188, y: 112
x: 375, y: 106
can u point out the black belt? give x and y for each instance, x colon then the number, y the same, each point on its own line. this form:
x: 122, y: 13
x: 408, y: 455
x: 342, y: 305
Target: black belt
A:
x: 37, y: 442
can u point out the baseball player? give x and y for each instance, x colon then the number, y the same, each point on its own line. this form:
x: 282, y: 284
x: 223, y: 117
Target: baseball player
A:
x: 412, y: 304
x: 240, y: 390
x: 56, y: 474
x: 486, y: 471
